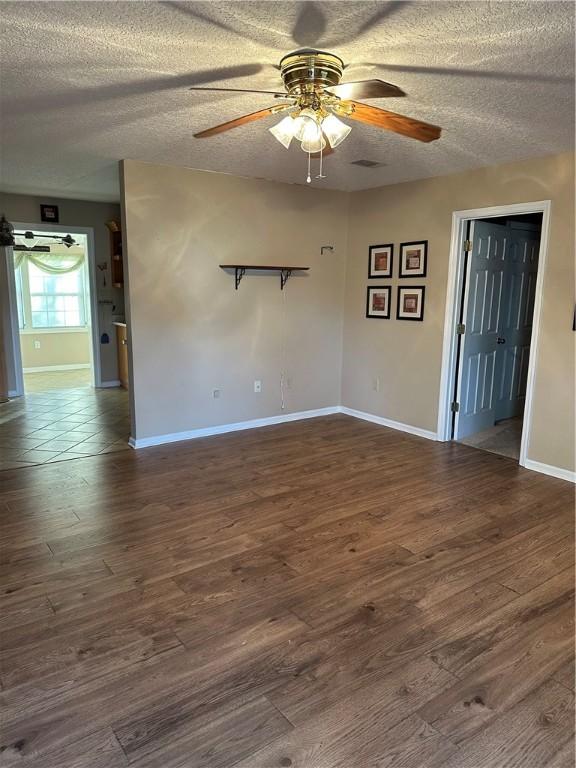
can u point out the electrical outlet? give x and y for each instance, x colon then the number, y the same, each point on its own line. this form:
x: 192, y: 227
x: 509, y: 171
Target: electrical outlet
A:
x: 257, y: 386
x: 376, y: 384
x: 36, y: 344
x: 216, y: 393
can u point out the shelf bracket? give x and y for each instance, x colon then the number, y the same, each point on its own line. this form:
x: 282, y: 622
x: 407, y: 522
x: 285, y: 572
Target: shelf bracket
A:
x: 239, y: 273
x: 284, y: 275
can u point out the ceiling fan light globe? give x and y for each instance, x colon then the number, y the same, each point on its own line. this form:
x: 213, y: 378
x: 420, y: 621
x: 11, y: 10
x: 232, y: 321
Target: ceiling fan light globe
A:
x: 284, y: 130
x: 312, y: 132
x: 306, y: 120
x: 335, y: 130
x: 314, y: 144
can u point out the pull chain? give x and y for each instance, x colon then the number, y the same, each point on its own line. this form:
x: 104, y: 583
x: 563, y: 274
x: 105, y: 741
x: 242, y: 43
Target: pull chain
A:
x: 308, y: 179
x: 321, y: 175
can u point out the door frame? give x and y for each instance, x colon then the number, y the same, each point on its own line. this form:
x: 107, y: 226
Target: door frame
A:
x: 92, y: 284
x: 454, y: 290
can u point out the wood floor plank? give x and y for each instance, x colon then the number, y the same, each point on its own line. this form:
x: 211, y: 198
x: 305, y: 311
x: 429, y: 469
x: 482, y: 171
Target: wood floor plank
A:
x: 567, y: 674
x: 529, y: 735
x: 483, y: 563
x: 524, y: 615
x: 318, y: 594
x: 358, y: 659
x: 85, y: 655
x: 348, y: 729
x: 98, y: 750
x: 539, y: 566
x: 155, y: 699
x: 564, y: 758
x: 16, y: 610
x: 216, y: 739
x: 505, y: 678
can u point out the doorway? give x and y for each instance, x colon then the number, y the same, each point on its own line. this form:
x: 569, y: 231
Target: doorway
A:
x: 53, y: 295
x: 62, y: 411
x: 492, y: 315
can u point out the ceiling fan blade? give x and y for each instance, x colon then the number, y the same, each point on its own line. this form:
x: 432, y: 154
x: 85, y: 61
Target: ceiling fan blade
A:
x: 239, y: 90
x: 390, y: 121
x: 365, y: 89
x: 241, y: 121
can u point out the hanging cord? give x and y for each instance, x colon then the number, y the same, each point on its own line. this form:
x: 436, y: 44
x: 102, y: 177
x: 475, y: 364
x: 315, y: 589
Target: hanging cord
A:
x: 308, y: 178
x: 321, y: 175
x: 283, y: 351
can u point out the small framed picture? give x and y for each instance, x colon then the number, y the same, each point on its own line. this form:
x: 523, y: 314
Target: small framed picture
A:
x: 410, y: 304
x: 413, y: 257
x: 378, y: 302
x: 49, y: 213
x: 380, y: 261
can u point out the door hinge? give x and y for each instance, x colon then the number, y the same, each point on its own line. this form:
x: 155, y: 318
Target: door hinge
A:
x: 467, y: 245
x: 460, y: 329
x: 455, y: 407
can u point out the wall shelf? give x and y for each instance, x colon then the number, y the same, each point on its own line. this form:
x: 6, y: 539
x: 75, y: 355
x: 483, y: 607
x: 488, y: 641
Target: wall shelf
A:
x: 240, y: 271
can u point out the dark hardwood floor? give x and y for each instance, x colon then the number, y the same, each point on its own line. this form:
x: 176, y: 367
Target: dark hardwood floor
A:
x: 320, y: 594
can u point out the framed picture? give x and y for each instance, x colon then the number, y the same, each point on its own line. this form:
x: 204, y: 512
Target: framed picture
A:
x: 378, y: 302
x: 380, y: 261
x: 413, y: 257
x: 49, y: 213
x: 410, y: 304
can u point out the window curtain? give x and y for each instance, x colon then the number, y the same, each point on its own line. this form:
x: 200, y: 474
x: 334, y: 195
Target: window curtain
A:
x: 57, y: 262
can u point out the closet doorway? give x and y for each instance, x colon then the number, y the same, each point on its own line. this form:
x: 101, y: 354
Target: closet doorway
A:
x: 491, y: 330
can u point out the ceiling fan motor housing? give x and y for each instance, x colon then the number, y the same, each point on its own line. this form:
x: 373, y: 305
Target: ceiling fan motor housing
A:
x: 309, y: 71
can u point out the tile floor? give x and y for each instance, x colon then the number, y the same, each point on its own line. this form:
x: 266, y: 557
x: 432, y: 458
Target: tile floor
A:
x: 62, y: 417
x: 503, y: 438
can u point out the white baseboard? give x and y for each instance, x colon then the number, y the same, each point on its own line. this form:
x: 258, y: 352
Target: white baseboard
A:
x: 48, y: 368
x: 549, y: 469
x: 147, y: 442
x: 114, y: 383
x: 389, y: 423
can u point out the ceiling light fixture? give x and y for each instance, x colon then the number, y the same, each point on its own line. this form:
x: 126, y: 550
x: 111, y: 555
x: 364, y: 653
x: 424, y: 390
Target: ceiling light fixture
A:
x: 314, y: 98
x: 335, y: 130
x: 284, y: 131
x: 313, y: 128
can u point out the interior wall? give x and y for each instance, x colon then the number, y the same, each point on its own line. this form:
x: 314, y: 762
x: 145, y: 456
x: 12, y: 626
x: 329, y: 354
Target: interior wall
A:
x: 8, y: 315
x: 192, y: 332
x: 81, y: 213
x: 59, y: 348
x: 407, y: 356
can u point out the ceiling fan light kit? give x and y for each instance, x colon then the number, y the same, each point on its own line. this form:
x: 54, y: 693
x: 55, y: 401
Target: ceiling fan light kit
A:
x: 284, y: 131
x: 316, y: 99
x: 335, y: 130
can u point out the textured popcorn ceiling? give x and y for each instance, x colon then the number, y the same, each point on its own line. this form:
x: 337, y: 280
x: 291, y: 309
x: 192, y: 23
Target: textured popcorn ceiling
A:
x: 85, y: 84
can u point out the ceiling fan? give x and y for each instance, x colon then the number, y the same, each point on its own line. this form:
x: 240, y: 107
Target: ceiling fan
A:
x: 315, y: 99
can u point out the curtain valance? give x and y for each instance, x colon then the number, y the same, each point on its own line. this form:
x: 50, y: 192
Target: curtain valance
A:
x: 57, y: 262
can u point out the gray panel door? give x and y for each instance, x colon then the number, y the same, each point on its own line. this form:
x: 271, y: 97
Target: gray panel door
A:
x: 516, y: 322
x: 484, y: 294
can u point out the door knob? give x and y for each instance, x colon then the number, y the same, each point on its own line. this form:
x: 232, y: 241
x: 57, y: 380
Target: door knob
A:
x: 501, y: 340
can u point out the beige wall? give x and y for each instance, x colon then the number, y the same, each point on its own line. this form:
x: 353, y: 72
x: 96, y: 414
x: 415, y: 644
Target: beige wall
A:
x: 192, y: 332
x: 407, y: 356
x: 81, y: 213
x: 66, y: 348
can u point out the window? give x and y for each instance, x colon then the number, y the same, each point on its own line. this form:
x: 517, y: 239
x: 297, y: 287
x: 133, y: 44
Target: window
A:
x: 51, y: 301
x: 56, y: 301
